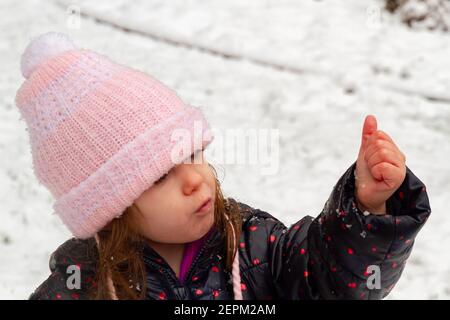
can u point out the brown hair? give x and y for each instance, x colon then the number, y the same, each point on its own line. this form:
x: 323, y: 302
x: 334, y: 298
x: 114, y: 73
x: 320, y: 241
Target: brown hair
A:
x: 120, y: 250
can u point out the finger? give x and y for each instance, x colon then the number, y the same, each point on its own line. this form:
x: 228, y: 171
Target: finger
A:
x: 384, y: 136
x: 389, y: 174
x: 375, y: 143
x: 377, y: 146
x: 369, y: 127
x: 385, y: 155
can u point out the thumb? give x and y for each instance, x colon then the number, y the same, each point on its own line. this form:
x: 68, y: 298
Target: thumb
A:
x: 369, y: 127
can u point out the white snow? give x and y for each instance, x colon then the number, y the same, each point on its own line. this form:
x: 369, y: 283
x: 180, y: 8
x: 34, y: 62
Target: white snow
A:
x: 312, y: 69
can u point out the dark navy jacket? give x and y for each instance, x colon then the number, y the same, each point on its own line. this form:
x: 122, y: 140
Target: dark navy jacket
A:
x: 329, y: 257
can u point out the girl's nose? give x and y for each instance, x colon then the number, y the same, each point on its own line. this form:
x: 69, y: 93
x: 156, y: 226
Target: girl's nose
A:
x: 190, y: 177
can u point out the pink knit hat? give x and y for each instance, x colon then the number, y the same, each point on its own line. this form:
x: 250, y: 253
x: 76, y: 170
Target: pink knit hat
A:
x: 100, y: 133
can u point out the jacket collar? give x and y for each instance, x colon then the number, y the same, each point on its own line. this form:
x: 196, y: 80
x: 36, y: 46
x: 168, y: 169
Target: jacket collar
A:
x: 211, y: 246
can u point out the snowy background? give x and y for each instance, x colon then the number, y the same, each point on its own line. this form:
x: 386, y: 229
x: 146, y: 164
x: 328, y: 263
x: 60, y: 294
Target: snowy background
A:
x: 311, y: 69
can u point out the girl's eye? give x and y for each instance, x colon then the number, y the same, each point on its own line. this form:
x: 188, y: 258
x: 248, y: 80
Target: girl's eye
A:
x: 162, y: 178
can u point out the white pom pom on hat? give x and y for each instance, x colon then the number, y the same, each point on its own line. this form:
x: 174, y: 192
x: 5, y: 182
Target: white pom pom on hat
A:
x: 42, y: 48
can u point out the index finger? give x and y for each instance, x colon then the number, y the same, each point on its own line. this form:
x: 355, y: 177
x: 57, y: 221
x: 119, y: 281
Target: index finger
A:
x: 383, y: 135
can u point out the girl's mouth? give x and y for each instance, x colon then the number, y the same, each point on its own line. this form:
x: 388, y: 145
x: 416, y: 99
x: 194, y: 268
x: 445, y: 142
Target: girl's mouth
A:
x: 204, y: 208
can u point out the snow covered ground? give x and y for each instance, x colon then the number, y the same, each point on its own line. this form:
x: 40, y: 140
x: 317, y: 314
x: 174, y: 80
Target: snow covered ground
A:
x: 311, y: 69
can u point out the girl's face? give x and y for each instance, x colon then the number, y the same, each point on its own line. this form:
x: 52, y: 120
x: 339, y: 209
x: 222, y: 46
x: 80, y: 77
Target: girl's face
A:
x: 167, y: 209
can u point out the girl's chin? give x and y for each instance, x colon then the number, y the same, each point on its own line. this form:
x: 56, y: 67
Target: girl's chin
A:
x: 204, y: 228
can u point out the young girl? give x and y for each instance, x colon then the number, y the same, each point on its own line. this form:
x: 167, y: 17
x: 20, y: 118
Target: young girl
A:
x: 149, y: 223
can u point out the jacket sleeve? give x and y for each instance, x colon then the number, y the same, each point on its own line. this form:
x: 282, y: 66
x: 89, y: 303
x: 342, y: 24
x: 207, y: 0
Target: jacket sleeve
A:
x: 62, y: 283
x: 344, y: 253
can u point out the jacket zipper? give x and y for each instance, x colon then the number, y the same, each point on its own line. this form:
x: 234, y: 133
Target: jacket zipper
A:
x: 193, y: 264
x: 169, y: 276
